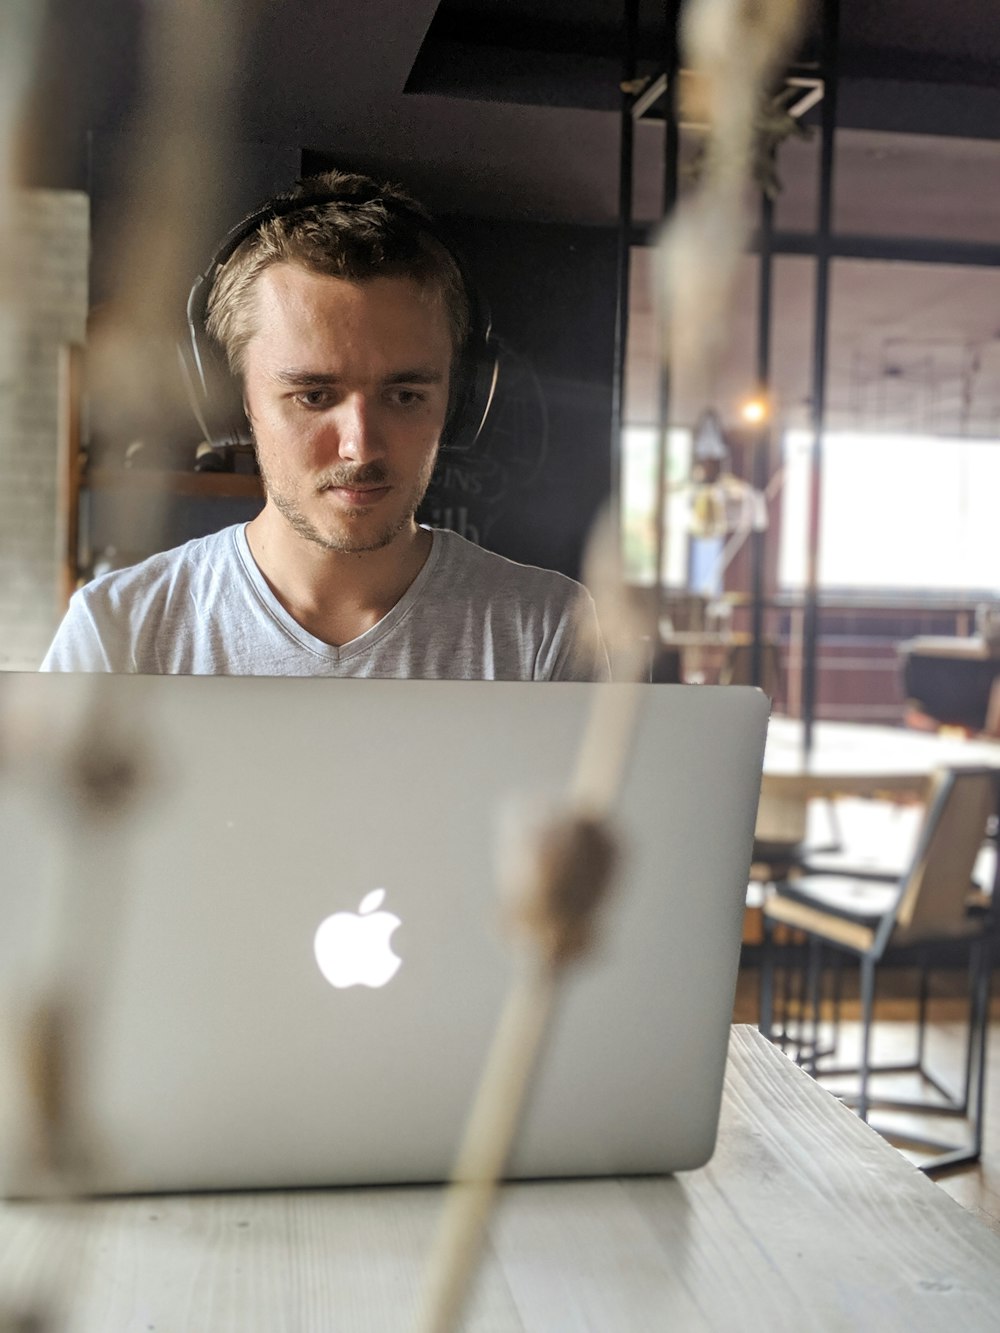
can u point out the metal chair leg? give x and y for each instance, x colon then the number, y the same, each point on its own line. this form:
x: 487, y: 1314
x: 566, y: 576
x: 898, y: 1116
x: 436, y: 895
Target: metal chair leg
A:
x: 765, y: 1016
x: 814, y: 983
x: 867, y: 1012
x: 804, y: 1001
x: 786, y: 992
x: 982, y: 1013
x: 922, y: 1008
x: 837, y: 990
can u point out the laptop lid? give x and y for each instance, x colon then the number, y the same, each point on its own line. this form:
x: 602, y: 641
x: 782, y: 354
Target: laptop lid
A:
x: 220, y: 1050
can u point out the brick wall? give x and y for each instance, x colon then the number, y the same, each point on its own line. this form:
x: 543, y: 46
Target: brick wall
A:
x: 43, y: 303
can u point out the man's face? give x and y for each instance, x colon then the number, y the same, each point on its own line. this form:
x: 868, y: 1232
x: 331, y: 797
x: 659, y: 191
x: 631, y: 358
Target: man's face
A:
x: 346, y: 385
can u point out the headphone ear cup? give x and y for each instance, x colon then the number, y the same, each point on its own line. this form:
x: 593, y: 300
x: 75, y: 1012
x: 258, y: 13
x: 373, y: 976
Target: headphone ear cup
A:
x: 216, y: 397
x: 478, y: 373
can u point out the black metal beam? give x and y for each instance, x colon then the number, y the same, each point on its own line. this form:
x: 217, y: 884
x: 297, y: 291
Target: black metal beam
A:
x: 810, y: 627
x: 625, y: 179
x: 891, y: 249
x: 885, y: 249
x: 762, y: 439
x: 671, y: 158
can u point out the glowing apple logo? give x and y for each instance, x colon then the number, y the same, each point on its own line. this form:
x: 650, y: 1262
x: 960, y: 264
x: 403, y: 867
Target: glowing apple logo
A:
x: 352, y: 949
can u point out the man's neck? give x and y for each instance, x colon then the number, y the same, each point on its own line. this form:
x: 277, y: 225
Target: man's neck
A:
x: 334, y: 595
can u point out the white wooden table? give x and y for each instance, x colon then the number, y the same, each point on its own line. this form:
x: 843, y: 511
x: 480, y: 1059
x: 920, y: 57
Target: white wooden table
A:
x: 853, y: 759
x: 804, y: 1220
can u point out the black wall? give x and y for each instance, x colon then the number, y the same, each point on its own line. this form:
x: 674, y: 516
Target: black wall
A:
x: 533, y: 483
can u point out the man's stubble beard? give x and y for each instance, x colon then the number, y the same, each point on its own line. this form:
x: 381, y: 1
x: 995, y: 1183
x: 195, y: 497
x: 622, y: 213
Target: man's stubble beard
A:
x: 369, y: 474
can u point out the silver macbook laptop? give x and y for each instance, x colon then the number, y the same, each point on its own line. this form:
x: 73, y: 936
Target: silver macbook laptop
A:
x: 286, y: 950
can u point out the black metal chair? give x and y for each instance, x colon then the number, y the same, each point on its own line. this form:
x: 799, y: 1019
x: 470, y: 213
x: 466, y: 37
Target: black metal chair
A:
x: 868, y: 918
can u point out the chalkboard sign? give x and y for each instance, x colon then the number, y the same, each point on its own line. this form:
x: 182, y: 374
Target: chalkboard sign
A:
x: 472, y: 488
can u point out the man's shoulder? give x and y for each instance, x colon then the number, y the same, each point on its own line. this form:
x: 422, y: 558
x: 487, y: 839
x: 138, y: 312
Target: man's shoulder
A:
x: 463, y: 559
x: 162, y: 572
x: 132, y: 619
x: 540, y: 624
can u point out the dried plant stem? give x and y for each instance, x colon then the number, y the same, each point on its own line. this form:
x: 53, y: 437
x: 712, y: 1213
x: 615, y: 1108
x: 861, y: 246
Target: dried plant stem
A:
x: 700, y: 250
x: 563, y: 887
x: 483, y: 1155
x: 604, y: 750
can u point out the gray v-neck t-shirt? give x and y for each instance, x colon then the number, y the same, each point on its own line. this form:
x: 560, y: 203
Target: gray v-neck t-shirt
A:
x: 206, y: 609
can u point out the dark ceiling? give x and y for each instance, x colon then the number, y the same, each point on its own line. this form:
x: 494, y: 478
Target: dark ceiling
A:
x: 489, y: 106
x: 904, y: 30
x: 507, y: 109
x: 570, y: 51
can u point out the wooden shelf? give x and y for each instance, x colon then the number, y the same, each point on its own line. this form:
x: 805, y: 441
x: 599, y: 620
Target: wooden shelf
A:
x: 202, y: 485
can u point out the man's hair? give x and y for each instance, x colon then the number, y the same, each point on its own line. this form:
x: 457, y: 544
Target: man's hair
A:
x: 369, y: 230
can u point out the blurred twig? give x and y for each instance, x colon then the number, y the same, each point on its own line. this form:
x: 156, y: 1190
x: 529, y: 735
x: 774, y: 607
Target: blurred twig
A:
x: 556, y: 876
x: 191, y: 64
x: 20, y: 27
x: 172, y: 206
x: 736, y: 50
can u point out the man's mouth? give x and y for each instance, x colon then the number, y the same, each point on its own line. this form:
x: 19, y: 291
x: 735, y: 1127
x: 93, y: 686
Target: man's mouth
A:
x: 359, y: 495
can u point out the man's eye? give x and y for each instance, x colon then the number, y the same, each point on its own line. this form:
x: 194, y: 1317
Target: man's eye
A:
x: 314, y: 397
x: 406, y: 397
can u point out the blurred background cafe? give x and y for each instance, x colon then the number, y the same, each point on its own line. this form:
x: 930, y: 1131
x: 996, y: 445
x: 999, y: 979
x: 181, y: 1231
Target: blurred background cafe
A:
x: 819, y: 516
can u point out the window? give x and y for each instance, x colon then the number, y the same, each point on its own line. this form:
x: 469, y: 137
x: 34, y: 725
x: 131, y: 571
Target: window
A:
x: 899, y: 513
x: 640, y: 446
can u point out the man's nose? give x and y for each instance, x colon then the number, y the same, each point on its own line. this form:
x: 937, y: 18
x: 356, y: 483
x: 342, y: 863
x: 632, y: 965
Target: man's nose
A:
x: 359, y: 437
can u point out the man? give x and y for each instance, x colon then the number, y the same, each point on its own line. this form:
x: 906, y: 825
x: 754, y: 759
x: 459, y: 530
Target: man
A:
x: 346, y: 323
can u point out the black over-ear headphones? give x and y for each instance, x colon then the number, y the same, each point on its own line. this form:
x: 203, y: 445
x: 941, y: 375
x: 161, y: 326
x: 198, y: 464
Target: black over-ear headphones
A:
x: 215, y: 397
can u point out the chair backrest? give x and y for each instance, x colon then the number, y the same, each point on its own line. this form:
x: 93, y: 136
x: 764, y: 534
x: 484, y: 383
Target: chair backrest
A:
x: 992, y: 725
x: 933, y: 893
